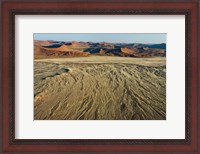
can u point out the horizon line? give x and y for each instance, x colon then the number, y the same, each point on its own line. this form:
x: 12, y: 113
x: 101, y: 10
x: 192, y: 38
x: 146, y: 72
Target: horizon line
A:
x: 100, y: 41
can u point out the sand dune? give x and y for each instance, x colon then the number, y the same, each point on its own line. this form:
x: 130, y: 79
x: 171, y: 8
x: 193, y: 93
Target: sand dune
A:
x: 60, y: 49
x: 64, y: 48
x: 100, y: 88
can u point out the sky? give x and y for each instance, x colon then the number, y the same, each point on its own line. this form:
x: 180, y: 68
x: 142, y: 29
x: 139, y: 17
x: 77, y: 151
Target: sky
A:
x: 104, y: 37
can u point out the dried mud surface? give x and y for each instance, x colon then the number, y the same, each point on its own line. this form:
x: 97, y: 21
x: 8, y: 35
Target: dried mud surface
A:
x: 100, y: 88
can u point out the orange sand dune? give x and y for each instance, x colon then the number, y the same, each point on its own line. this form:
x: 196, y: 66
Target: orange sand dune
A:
x: 42, y: 43
x: 64, y: 48
x: 128, y: 50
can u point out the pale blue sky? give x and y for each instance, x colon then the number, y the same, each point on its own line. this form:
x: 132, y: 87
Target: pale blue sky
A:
x: 106, y: 37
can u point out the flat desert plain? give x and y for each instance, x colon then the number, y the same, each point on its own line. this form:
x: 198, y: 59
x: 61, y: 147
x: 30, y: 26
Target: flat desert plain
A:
x: 100, y: 88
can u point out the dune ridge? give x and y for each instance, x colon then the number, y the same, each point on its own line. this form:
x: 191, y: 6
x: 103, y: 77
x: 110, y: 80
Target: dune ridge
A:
x: 59, y: 49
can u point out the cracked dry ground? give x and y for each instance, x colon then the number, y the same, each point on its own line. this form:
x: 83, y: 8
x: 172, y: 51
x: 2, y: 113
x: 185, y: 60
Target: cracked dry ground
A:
x: 99, y: 91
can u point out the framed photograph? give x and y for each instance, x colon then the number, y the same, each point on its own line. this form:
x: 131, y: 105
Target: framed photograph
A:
x: 116, y: 76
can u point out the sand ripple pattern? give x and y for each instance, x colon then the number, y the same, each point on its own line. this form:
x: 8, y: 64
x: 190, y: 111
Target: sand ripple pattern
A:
x: 104, y: 91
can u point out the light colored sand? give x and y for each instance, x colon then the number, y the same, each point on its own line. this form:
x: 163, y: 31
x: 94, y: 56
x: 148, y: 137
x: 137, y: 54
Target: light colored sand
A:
x: 157, y: 61
x: 100, y: 87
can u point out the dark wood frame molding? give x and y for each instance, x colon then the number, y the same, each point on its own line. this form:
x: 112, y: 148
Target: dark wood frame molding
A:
x: 117, y: 7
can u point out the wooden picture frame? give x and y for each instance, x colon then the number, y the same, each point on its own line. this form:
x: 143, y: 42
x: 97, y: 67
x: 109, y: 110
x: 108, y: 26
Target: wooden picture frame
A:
x: 188, y: 8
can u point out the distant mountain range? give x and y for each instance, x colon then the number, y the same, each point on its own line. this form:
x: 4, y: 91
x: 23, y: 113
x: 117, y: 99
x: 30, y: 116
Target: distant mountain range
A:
x: 51, y: 48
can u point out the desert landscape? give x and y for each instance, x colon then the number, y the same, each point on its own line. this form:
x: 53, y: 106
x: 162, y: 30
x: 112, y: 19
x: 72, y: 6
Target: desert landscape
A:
x: 76, y: 80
